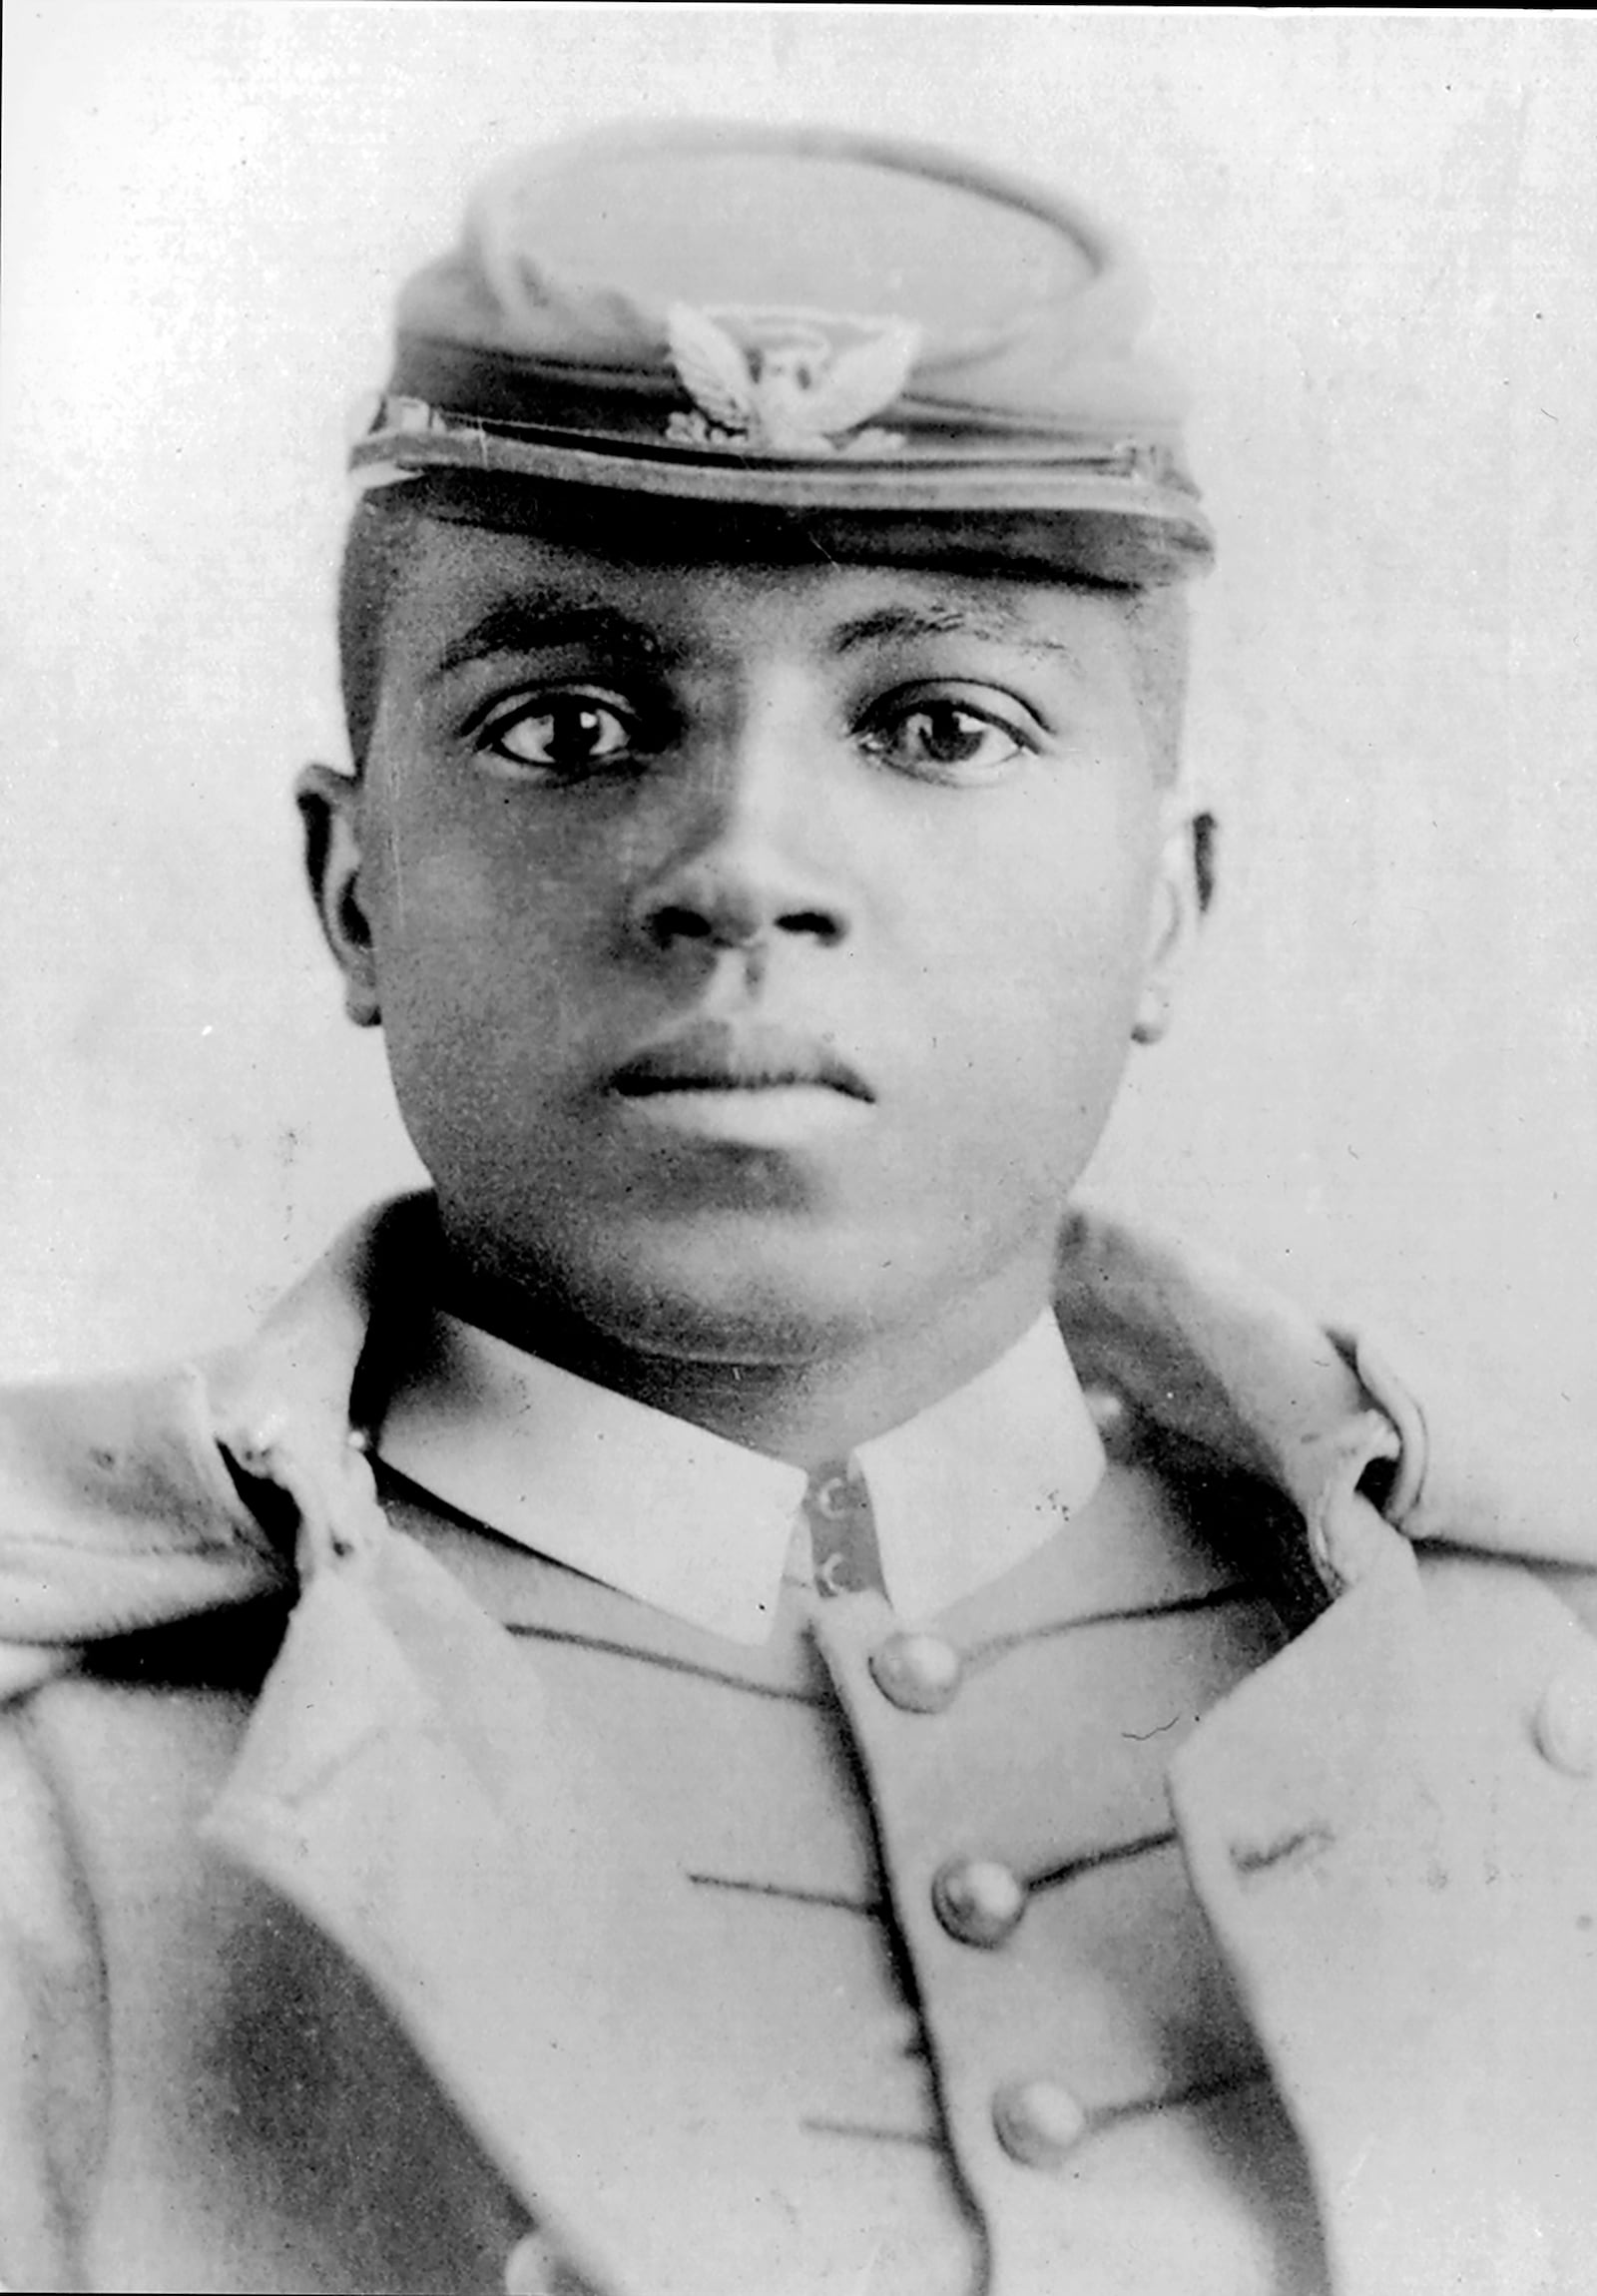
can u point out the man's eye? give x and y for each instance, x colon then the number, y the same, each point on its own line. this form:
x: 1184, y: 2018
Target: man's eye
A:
x: 562, y: 733
x: 945, y: 741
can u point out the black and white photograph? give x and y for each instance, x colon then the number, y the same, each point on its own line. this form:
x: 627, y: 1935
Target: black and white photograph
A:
x: 798, y: 1171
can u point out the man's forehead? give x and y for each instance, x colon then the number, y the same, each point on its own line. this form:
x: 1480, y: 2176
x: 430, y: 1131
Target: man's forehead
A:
x: 472, y: 588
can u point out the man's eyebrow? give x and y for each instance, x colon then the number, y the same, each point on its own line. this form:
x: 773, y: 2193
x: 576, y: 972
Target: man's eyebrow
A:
x: 537, y: 625
x: 987, y: 620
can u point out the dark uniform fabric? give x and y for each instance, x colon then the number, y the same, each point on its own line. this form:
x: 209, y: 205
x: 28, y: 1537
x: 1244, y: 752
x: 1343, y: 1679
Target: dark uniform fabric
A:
x: 343, y: 1951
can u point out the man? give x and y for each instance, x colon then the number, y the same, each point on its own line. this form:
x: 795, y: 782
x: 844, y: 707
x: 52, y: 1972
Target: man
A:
x: 743, y: 1699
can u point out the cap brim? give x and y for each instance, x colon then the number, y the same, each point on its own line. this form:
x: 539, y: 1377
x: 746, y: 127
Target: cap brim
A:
x: 1121, y: 516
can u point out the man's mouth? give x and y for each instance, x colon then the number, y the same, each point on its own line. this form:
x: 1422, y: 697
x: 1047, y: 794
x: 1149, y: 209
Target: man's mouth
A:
x: 751, y: 1085
x: 716, y: 1056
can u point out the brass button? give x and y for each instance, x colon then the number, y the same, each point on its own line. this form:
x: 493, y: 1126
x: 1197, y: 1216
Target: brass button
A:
x: 1037, y: 2122
x: 978, y: 1900
x: 919, y: 1672
x: 1566, y: 1720
x: 833, y: 1497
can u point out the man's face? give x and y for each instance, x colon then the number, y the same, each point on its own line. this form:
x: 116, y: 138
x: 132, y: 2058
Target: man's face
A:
x: 757, y: 947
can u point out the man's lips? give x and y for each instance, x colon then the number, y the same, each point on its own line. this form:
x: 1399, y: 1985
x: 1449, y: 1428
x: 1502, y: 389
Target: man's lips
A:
x: 719, y: 1056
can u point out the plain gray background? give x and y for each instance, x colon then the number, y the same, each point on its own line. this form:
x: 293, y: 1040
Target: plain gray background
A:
x: 1374, y: 242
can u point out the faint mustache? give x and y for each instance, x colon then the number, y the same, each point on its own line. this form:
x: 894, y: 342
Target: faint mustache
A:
x: 719, y: 1056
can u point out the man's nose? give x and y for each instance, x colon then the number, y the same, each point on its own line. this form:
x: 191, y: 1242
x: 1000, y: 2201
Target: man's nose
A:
x: 747, y: 864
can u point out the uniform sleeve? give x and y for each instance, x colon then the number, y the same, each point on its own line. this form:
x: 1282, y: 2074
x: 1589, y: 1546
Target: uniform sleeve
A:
x: 53, y: 2027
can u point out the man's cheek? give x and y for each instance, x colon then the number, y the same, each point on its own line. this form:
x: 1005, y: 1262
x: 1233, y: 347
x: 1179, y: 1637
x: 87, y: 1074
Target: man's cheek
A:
x: 452, y: 917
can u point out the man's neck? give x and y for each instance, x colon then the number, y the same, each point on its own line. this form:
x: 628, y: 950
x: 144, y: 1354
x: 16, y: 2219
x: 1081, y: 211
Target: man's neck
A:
x: 811, y: 1410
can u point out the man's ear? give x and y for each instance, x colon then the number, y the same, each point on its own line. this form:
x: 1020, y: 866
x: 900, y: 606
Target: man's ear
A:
x: 1182, y: 892
x: 331, y: 805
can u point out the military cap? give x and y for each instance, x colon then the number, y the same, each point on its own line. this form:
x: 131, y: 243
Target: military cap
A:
x: 804, y: 318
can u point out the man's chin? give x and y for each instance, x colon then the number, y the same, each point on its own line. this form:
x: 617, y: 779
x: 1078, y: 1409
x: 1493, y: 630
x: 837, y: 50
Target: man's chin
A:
x: 740, y: 1293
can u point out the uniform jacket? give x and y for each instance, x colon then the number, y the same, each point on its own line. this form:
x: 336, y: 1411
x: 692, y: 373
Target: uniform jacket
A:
x: 1391, y: 1829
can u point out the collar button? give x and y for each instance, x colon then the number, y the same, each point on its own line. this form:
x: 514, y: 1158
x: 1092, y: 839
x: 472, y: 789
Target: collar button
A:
x: 833, y: 1497
x: 841, y: 1573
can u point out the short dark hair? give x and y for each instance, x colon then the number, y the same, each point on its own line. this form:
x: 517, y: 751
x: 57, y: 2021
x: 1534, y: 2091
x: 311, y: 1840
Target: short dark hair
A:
x: 380, y: 535
x: 385, y: 522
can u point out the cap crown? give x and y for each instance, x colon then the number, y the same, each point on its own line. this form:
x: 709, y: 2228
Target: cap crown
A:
x: 798, y: 316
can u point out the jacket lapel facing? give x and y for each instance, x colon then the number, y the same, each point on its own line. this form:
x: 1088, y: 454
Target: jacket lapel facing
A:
x: 1406, y: 1889
x: 414, y: 1788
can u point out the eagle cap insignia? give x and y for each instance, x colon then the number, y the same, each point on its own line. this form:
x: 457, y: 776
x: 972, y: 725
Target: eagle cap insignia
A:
x: 787, y: 383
